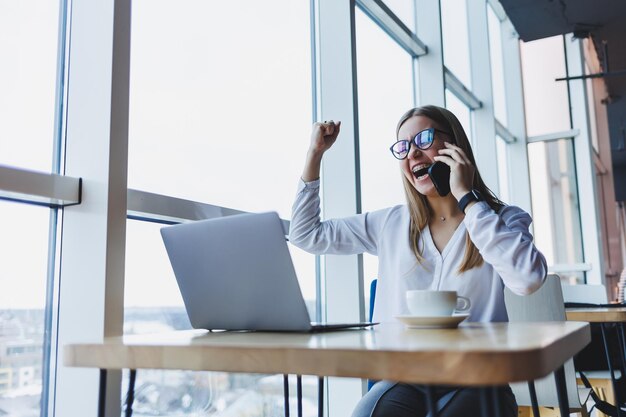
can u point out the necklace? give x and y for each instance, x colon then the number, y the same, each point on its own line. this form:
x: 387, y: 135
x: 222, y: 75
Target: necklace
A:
x: 443, y: 219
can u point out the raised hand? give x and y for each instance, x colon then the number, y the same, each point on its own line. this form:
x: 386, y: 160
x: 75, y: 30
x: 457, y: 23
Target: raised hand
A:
x: 323, y: 137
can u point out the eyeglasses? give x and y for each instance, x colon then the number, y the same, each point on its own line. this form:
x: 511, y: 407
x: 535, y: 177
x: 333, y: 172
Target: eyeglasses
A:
x: 423, y: 140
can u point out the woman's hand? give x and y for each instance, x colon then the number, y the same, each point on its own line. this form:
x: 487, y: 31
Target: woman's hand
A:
x: 323, y: 137
x: 461, y: 169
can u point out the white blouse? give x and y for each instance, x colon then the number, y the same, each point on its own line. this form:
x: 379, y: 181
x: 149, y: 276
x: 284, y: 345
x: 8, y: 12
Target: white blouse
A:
x: 502, y: 239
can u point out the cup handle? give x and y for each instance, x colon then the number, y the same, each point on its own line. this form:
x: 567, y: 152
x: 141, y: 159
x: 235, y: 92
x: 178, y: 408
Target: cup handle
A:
x: 465, y: 304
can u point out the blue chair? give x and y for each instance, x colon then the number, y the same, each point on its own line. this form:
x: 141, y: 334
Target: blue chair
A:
x: 370, y: 383
x: 372, y: 297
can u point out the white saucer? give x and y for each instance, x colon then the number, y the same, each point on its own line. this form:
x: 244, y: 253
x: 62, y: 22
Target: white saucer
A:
x: 438, y: 322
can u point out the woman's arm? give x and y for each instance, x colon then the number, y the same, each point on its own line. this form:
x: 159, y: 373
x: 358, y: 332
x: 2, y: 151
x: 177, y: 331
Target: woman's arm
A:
x: 504, y: 241
x: 350, y: 235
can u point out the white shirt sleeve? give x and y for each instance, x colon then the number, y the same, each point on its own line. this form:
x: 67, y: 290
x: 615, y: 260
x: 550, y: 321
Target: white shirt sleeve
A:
x: 345, y: 236
x: 504, y: 241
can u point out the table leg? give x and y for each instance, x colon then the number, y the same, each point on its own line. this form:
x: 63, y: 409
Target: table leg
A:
x: 497, y: 404
x: 485, y: 401
x: 618, y: 401
x: 561, y: 391
x: 622, y: 340
x: 320, y: 396
x: 533, y: 398
x: 286, y: 393
x: 430, y: 401
x: 130, y: 396
x: 299, y: 390
x: 102, y: 392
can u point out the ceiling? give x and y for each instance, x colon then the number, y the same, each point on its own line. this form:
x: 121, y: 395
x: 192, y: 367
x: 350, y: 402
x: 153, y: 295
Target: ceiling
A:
x: 604, y: 21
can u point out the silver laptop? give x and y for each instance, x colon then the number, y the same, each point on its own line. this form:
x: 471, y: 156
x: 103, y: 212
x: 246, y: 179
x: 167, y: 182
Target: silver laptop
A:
x: 236, y: 273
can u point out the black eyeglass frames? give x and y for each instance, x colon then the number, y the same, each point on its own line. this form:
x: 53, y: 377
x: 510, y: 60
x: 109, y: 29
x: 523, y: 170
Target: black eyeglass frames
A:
x: 423, y: 140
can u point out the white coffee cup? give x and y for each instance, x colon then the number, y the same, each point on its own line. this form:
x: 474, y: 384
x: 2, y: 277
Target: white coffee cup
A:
x: 429, y: 303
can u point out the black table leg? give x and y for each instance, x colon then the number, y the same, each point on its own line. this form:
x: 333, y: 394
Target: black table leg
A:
x: 130, y: 396
x: 286, y: 393
x: 299, y: 391
x: 533, y: 398
x: 430, y: 401
x: 102, y: 392
x: 485, y: 401
x: 611, y: 371
x: 497, y: 404
x: 320, y: 396
x: 622, y: 340
x: 561, y: 391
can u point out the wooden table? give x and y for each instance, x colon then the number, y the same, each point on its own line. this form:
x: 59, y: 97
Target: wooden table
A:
x: 485, y: 354
x: 606, y: 316
x: 597, y: 315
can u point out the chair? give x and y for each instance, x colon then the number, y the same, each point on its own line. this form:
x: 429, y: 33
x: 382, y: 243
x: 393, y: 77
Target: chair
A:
x: 594, y: 294
x: 371, y: 382
x: 546, y: 304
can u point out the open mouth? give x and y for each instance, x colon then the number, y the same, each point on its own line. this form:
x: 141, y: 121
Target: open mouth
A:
x: 420, y: 173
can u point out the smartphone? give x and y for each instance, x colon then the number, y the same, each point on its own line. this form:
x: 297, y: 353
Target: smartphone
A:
x: 439, y: 174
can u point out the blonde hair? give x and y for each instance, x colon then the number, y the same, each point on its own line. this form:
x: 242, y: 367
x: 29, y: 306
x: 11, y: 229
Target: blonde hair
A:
x: 419, y: 209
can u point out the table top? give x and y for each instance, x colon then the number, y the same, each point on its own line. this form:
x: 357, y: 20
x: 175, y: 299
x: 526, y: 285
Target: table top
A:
x: 597, y: 315
x: 473, y: 354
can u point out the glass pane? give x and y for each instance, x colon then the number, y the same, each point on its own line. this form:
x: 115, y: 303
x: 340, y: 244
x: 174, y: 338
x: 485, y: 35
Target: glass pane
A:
x: 385, y: 83
x: 198, y: 394
x: 28, y: 46
x: 462, y: 112
x: 545, y: 100
x: 152, y: 303
x: 497, y: 67
x: 405, y: 10
x: 503, y: 169
x: 556, y: 213
x: 454, y: 32
x: 591, y: 107
x: 24, y: 248
x: 220, y: 101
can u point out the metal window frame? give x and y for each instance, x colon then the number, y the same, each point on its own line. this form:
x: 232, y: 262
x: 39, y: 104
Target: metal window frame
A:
x: 504, y: 133
x: 336, y: 99
x: 483, y: 117
x: 548, y: 137
x: 91, y: 282
x: 585, y: 170
x: 517, y: 152
x: 459, y: 89
x: 393, y: 26
x: 159, y: 208
x: 39, y: 188
x: 430, y: 66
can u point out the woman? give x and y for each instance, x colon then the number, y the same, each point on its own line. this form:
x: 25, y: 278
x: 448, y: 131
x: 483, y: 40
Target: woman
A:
x: 467, y: 241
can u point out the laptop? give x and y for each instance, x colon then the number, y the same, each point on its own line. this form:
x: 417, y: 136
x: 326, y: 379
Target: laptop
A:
x: 236, y: 273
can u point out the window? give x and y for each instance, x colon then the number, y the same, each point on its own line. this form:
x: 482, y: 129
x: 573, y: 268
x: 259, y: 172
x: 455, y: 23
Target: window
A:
x: 556, y: 213
x: 545, y: 100
x: 405, y: 10
x: 24, y: 246
x: 454, y: 32
x: 497, y: 67
x: 503, y: 169
x: 152, y: 303
x: 461, y: 111
x: 591, y: 108
x: 220, y: 107
x: 385, y: 91
x: 28, y: 45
